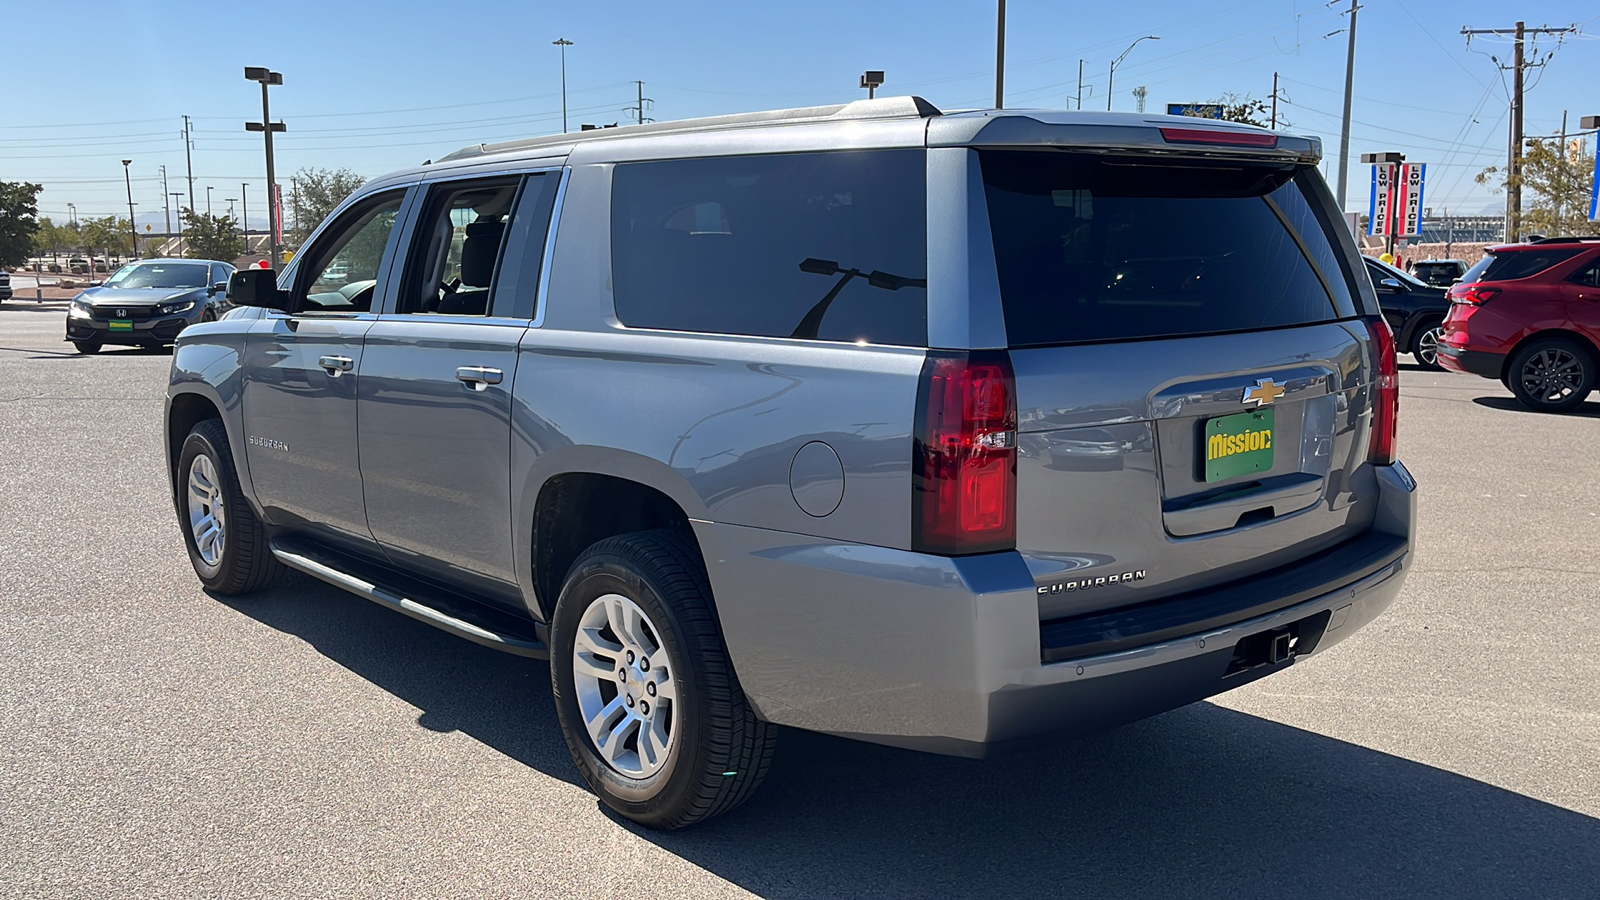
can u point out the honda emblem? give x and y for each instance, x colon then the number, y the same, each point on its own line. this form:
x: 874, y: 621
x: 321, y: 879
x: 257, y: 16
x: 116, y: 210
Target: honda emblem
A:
x: 122, y: 314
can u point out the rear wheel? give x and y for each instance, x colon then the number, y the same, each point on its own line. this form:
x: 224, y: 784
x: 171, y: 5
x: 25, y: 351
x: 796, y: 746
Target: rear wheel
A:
x: 646, y: 695
x: 1552, y: 375
x: 87, y: 348
x: 227, y: 543
x: 1425, y: 345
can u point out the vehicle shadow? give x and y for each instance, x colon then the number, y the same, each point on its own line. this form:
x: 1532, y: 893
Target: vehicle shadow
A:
x: 1199, y: 802
x: 1589, y: 409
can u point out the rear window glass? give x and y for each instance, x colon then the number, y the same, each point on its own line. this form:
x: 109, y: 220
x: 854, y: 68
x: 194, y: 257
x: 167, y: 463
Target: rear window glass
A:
x: 1511, y: 264
x: 1101, y: 248
x: 828, y: 246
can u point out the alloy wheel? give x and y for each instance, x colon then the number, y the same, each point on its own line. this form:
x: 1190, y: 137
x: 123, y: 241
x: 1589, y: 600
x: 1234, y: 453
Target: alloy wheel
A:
x: 207, y: 521
x: 624, y: 686
x: 1552, y: 375
x: 1428, y: 345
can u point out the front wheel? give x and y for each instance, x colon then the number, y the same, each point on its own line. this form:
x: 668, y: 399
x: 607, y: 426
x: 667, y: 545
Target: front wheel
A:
x: 1551, y: 375
x: 87, y: 348
x: 227, y: 544
x: 1425, y: 346
x: 644, y: 689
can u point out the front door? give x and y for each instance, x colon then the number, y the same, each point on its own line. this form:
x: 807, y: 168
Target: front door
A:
x: 436, y: 377
x: 301, y: 377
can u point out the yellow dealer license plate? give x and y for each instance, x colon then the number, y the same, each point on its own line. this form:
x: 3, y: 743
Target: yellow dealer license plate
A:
x: 121, y: 324
x: 1240, y: 444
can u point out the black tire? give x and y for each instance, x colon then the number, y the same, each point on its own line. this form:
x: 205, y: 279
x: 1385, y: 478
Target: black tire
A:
x: 1551, y: 375
x: 87, y: 348
x: 245, y: 563
x: 720, y: 751
x: 1426, y: 354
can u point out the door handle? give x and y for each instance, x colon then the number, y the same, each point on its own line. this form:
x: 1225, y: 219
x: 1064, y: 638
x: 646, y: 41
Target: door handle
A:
x: 336, y: 365
x: 479, y: 377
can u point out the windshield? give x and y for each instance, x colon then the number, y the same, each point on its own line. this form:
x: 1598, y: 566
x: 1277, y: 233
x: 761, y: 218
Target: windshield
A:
x: 1093, y: 248
x: 159, y: 275
x: 1389, y: 271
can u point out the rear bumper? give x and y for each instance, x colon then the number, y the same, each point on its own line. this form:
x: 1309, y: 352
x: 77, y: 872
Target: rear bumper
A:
x: 946, y: 655
x: 1472, y: 362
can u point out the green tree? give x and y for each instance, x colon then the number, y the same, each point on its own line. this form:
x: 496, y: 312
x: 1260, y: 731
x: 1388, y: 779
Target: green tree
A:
x: 211, y: 237
x: 49, y: 238
x: 1555, y: 188
x: 107, y: 236
x: 317, y: 192
x: 19, y: 219
x: 1245, y: 109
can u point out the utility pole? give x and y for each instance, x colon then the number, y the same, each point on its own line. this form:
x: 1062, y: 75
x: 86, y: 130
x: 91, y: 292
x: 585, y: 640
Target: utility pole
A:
x: 132, y: 231
x: 1274, y: 125
x: 1349, y: 95
x: 1080, y: 84
x: 188, y: 145
x: 208, y: 199
x: 244, y: 205
x: 1000, y: 60
x: 177, y: 196
x: 563, y: 43
x: 1519, y: 65
x: 638, y: 111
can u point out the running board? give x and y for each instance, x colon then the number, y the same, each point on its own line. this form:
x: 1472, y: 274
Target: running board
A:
x: 479, y: 627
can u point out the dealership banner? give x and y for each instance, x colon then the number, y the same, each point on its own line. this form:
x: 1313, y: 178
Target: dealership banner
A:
x: 1379, y: 221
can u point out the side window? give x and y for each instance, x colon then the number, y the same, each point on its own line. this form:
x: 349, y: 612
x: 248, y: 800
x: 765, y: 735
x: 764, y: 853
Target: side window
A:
x: 1589, y: 277
x: 457, y: 250
x: 220, y: 273
x: 341, y: 273
x: 828, y: 246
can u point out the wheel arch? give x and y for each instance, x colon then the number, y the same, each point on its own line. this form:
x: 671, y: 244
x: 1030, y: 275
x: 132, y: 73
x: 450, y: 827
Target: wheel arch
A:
x: 186, y: 409
x: 576, y: 506
x: 1572, y: 337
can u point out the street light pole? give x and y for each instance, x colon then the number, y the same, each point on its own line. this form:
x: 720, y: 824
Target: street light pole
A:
x: 165, y: 202
x: 208, y: 199
x: 1349, y: 95
x: 563, y: 43
x: 72, y: 213
x: 1117, y: 62
x: 132, y: 231
x: 266, y: 126
x: 1000, y: 60
x: 244, y: 205
x: 178, y: 197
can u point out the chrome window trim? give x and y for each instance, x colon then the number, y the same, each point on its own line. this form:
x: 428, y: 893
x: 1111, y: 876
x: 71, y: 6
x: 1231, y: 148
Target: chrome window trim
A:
x: 540, y: 300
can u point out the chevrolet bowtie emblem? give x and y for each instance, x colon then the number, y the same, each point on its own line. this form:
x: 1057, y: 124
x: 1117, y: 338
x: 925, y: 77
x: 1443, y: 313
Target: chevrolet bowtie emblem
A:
x: 1265, y: 391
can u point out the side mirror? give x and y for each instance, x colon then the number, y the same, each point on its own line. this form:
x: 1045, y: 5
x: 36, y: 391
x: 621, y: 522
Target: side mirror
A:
x: 1392, y: 284
x: 257, y: 287
x: 220, y: 287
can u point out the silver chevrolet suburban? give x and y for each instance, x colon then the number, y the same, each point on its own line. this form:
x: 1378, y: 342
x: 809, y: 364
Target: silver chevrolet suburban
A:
x: 935, y: 430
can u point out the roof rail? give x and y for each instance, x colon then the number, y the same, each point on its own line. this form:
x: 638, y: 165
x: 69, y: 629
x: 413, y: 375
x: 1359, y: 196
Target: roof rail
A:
x: 877, y: 108
x: 1569, y: 239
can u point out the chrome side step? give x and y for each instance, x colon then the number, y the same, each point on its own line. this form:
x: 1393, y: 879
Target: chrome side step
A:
x: 455, y: 624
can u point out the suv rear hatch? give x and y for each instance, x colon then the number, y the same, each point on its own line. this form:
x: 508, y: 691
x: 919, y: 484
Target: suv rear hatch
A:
x: 1193, y: 377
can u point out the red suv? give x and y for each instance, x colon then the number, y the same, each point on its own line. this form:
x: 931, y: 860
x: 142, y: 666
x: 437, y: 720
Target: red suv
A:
x: 1529, y: 315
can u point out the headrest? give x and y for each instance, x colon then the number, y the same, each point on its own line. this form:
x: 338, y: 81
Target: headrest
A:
x: 478, y: 252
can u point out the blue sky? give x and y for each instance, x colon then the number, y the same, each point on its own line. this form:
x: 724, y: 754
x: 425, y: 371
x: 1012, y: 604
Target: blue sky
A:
x: 376, y: 87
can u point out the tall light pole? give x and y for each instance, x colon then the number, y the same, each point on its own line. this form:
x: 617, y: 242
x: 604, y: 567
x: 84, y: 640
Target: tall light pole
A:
x: 244, y: 204
x: 1000, y: 60
x: 72, y: 213
x: 132, y: 231
x: 164, y: 202
x: 208, y: 199
x: 266, y: 126
x: 1118, y: 61
x: 563, y: 43
x: 177, y: 197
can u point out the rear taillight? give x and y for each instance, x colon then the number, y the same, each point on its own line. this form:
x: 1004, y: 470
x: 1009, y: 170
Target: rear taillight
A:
x: 1385, y: 394
x: 1473, y: 294
x: 964, y: 474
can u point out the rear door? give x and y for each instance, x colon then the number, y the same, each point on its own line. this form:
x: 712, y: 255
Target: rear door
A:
x: 301, y: 379
x: 436, y: 379
x: 1191, y: 370
x: 1582, y: 291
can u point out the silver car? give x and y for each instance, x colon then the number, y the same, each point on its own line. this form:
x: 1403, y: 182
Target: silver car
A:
x: 939, y: 431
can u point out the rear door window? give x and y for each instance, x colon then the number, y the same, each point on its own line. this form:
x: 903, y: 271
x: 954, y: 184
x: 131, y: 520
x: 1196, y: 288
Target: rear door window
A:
x: 1093, y: 248
x: 1512, y: 264
x: 824, y: 246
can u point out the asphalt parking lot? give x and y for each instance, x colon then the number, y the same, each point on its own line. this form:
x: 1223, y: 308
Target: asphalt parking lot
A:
x: 157, y: 742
